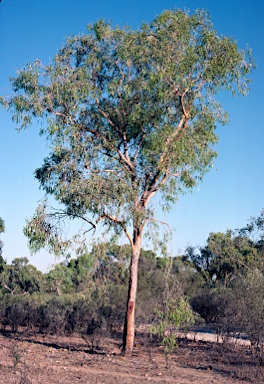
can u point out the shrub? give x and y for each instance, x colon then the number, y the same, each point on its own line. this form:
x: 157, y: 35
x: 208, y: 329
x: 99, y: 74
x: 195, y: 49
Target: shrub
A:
x: 176, y: 315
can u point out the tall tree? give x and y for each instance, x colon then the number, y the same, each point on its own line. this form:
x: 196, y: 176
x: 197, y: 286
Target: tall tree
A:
x: 130, y: 115
x: 255, y: 228
x: 255, y: 231
x: 224, y: 258
x: 20, y: 277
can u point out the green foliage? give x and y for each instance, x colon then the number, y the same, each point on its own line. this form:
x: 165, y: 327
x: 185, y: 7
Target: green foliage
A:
x: 255, y: 230
x: 125, y: 121
x: 2, y: 229
x: 20, y: 277
x: 2, y: 225
x: 59, y: 279
x: 81, y: 270
x: 112, y: 261
x: 213, y: 305
x: 43, y: 233
x: 249, y: 293
x: 178, y: 315
x: 224, y: 258
x: 2, y: 261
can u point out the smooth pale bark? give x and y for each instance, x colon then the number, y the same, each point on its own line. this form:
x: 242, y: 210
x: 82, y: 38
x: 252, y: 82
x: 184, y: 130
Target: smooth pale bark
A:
x: 129, y: 327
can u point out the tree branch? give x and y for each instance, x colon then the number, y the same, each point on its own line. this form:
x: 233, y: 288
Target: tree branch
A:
x: 9, y: 289
x: 116, y: 220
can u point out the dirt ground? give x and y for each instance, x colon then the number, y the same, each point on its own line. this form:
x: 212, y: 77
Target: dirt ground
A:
x: 34, y: 359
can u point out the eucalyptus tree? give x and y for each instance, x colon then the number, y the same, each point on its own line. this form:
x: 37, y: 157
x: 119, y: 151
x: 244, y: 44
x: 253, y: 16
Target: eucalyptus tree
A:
x: 255, y: 229
x: 225, y: 258
x: 131, y: 114
x: 20, y: 277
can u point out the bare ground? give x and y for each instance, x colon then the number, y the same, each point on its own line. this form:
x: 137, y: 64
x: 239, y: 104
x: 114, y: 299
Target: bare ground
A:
x: 34, y: 359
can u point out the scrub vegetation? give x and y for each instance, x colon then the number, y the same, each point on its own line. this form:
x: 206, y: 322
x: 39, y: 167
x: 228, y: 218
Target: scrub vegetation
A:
x: 217, y: 289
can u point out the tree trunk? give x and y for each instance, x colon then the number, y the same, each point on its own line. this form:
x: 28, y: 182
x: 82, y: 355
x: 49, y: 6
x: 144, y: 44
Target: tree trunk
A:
x: 129, y: 327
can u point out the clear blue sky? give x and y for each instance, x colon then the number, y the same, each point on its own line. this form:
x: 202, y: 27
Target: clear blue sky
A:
x: 227, y: 197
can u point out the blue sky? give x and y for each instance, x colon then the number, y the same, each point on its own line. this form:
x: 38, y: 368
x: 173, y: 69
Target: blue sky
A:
x: 229, y: 195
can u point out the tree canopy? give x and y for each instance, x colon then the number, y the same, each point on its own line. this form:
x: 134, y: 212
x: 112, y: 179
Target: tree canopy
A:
x: 126, y: 120
x: 2, y: 225
x: 225, y: 258
x: 130, y: 114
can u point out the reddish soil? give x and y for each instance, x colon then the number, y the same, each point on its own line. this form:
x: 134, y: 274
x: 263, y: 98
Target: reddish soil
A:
x: 35, y: 359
